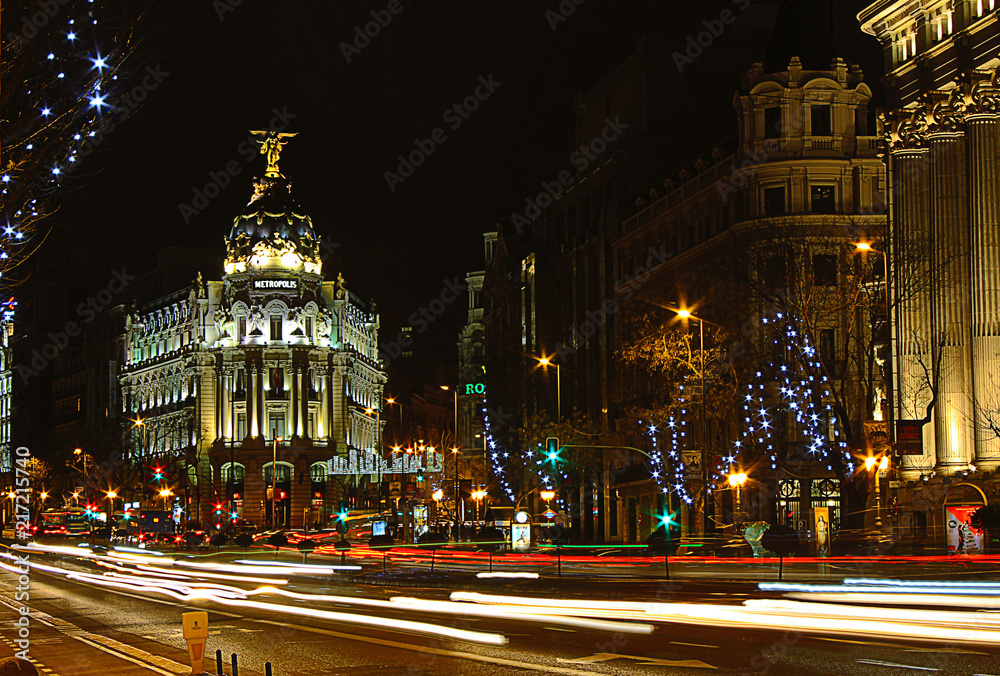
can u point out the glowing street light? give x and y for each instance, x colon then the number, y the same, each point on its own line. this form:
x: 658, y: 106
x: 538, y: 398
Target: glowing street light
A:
x: 547, y: 495
x: 438, y: 495
x: 545, y: 361
x: 736, y: 482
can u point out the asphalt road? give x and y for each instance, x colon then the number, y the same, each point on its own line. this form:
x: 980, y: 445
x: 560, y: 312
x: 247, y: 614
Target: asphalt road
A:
x: 309, y: 646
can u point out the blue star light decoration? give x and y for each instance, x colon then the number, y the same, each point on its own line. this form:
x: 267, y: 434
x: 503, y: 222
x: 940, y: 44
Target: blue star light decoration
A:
x: 802, y: 396
x: 70, y: 73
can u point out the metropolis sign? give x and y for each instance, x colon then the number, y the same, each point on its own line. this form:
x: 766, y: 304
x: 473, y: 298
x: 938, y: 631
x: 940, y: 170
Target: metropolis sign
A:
x: 276, y: 284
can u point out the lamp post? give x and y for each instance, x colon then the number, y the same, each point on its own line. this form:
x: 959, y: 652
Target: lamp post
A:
x: 165, y: 493
x: 545, y: 361
x: 274, y: 479
x: 736, y: 482
x: 867, y: 248
x: 458, y: 524
x: 477, y: 496
x: 683, y: 313
x: 873, y: 465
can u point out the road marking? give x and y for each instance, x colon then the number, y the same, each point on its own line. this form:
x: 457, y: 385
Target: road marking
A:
x: 906, y: 648
x: 898, y: 666
x: 546, y: 668
x: 38, y: 665
x: 572, y: 631
x: 105, y: 644
x: 643, y: 661
x: 696, y: 645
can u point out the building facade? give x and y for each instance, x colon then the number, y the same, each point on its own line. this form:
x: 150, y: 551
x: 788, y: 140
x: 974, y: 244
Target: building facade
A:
x: 746, y: 240
x: 272, y: 362
x: 942, y: 128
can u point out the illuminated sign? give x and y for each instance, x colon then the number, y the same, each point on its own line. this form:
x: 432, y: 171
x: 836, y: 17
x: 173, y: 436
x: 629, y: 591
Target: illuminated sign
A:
x: 474, y: 389
x: 276, y: 284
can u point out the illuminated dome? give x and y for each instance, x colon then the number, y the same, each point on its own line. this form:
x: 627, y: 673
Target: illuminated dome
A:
x: 273, y: 232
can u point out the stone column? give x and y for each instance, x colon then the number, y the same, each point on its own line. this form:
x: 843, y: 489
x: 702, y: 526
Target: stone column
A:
x: 258, y: 399
x: 295, y: 429
x: 323, y: 423
x: 910, y: 289
x: 219, y: 431
x: 337, y: 400
x: 252, y: 427
x: 984, y: 209
x: 951, y: 300
x: 304, y: 399
x: 227, y: 396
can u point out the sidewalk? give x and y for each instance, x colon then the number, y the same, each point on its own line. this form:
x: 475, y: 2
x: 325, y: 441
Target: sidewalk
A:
x: 60, y: 648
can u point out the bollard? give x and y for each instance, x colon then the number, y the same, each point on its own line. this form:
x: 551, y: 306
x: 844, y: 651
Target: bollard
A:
x: 236, y: 667
x: 218, y: 663
x: 267, y: 669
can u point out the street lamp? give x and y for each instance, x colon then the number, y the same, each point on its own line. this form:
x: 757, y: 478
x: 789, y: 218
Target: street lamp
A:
x: 274, y: 479
x: 736, y: 482
x: 458, y: 524
x: 545, y: 361
x: 866, y: 248
x: 547, y: 495
x: 477, y: 496
x: 879, y: 466
x: 165, y: 493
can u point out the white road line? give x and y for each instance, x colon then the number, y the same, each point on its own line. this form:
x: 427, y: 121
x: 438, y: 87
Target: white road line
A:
x: 546, y: 668
x: 898, y: 666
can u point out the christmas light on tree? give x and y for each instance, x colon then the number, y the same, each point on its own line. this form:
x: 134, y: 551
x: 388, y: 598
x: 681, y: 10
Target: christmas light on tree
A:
x: 70, y: 62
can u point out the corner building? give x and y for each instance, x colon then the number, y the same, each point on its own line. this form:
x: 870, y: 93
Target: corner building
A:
x: 270, y: 360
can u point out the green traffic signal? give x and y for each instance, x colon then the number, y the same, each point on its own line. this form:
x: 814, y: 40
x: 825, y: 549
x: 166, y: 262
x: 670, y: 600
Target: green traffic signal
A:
x: 552, y: 449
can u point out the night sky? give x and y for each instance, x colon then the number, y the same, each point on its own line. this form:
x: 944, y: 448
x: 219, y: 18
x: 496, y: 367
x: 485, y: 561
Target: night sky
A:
x: 227, y: 75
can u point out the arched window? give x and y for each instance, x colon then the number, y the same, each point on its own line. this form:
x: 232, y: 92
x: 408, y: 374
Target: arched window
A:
x: 285, y: 472
x: 317, y: 472
x: 238, y: 474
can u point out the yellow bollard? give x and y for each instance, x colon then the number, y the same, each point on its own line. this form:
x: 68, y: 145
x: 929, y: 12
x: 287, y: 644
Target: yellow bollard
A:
x: 196, y: 634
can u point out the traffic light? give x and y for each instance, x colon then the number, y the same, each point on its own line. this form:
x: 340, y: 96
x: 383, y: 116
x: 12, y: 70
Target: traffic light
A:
x: 552, y: 449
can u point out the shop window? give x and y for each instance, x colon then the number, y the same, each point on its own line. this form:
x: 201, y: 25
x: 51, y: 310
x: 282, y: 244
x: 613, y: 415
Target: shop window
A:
x: 275, y: 327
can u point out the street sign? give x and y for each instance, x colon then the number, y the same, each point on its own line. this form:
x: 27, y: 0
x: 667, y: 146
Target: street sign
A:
x: 196, y: 634
x: 549, y: 514
x: 909, y: 437
x: 395, y: 489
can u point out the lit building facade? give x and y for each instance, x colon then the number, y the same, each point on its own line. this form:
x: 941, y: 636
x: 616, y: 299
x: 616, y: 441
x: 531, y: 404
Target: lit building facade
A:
x: 942, y: 128
x: 271, y: 360
x: 746, y: 236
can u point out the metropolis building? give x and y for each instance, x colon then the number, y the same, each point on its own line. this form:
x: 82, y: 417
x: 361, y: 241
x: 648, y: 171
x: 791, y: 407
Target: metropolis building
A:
x: 271, y: 360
